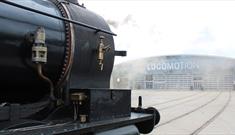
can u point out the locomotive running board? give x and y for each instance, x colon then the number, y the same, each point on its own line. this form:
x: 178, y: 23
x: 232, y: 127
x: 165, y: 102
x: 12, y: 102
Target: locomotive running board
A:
x: 73, y: 127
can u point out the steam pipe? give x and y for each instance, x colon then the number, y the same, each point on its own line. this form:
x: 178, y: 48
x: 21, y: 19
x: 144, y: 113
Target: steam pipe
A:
x: 42, y: 76
x: 57, y: 17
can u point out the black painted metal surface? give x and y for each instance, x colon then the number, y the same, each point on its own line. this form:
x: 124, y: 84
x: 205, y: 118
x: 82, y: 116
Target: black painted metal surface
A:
x: 15, y: 52
x: 75, y: 128
x: 104, y: 104
x: 127, y: 130
x: 18, y: 77
x: 58, y: 17
x: 85, y: 72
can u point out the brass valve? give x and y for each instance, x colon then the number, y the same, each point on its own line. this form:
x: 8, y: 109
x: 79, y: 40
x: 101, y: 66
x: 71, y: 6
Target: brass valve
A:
x: 39, y: 48
x: 102, y: 49
x: 78, y: 99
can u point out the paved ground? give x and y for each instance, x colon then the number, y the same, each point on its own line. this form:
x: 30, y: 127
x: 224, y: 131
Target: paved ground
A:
x: 191, y: 112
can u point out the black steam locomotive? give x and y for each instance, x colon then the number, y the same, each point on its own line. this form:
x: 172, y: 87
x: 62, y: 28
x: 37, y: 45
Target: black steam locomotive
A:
x: 56, y: 58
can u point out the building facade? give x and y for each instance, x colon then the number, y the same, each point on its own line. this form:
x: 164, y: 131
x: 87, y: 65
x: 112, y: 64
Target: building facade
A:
x: 188, y: 72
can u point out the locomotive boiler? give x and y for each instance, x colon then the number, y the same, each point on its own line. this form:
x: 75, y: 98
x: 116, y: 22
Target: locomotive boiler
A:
x: 56, y: 59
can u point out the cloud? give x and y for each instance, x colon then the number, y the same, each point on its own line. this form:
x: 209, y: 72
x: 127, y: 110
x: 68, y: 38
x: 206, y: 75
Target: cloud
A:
x: 127, y: 19
x: 204, y: 36
x: 153, y: 28
x: 113, y: 23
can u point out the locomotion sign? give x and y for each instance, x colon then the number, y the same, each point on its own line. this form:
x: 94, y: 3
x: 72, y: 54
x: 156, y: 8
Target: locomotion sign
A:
x: 172, y: 66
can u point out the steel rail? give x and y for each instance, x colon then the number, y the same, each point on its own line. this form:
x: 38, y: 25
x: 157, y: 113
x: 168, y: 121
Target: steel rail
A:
x: 180, y: 103
x: 175, y: 99
x: 189, y: 112
x: 204, y: 125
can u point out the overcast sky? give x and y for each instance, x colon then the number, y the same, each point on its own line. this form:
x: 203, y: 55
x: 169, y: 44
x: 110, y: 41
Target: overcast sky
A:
x: 155, y: 28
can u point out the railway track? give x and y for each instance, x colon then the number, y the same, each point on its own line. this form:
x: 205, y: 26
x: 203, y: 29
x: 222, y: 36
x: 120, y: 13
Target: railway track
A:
x: 204, y: 125
x: 189, y: 112
x: 180, y: 103
x: 172, y: 100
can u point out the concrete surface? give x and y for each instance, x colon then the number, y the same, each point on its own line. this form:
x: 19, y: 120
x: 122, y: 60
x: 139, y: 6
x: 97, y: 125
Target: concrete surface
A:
x: 183, y: 112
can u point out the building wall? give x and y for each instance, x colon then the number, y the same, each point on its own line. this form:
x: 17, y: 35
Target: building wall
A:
x: 176, y: 72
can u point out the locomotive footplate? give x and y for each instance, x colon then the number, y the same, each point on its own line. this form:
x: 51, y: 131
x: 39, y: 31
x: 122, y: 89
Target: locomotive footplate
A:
x: 76, y: 128
x: 92, y: 111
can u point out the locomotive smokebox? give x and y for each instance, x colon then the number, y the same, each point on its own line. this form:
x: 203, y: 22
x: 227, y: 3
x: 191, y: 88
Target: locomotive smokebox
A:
x: 73, y: 56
